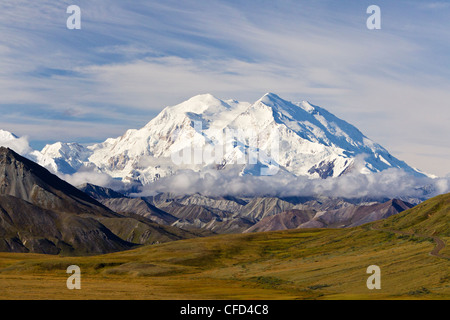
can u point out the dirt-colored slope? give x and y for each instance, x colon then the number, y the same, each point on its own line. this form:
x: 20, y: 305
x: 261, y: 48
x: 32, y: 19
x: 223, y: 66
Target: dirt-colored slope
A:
x: 290, y: 219
x: 140, y: 207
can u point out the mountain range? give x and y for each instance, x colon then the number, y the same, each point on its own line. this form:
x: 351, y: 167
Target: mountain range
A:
x: 269, y: 136
x: 221, y: 215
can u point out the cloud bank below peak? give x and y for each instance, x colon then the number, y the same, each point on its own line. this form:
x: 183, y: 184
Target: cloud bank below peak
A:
x: 388, y: 184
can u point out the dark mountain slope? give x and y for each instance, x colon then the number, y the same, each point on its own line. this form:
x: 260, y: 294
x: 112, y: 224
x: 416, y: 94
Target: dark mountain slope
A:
x: 43, y: 214
x: 25, y: 227
x: 24, y: 179
x: 100, y: 193
x: 140, y: 207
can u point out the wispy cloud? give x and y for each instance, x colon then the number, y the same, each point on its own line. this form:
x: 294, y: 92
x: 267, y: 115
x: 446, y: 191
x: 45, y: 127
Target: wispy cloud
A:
x: 130, y: 60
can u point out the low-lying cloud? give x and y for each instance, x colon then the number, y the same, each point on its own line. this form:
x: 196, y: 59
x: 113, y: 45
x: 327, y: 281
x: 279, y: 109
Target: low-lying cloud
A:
x: 390, y: 183
x: 19, y: 145
x: 93, y: 177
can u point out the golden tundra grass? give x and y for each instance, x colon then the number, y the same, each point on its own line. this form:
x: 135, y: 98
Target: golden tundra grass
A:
x: 294, y: 264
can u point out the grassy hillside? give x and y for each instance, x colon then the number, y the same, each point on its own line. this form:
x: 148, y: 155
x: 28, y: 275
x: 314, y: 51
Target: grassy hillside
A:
x: 431, y: 217
x: 292, y: 264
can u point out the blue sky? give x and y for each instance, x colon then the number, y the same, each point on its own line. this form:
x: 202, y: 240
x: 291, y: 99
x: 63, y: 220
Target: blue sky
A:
x: 133, y: 58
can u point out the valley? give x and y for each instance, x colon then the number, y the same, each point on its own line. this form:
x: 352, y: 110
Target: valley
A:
x: 318, y: 264
x: 289, y: 264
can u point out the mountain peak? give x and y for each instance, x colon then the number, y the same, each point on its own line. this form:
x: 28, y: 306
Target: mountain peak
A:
x: 203, y: 97
x: 271, y: 95
x: 271, y: 98
x: 4, y: 150
x: 6, y: 135
x: 10, y: 154
x: 200, y: 104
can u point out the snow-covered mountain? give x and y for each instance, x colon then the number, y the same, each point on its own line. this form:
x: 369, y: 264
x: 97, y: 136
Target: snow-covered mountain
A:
x: 270, y: 136
x: 21, y: 146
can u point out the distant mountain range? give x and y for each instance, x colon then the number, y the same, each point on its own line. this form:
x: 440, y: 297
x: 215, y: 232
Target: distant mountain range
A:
x: 269, y: 136
x: 242, y: 215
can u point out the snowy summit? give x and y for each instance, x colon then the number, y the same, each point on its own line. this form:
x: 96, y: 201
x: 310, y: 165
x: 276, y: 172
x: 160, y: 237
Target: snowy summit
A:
x: 298, y: 139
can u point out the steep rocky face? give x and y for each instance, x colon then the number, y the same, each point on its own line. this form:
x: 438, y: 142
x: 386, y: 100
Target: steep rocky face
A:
x: 215, y: 225
x: 100, y: 193
x: 259, y: 208
x: 24, y: 179
x: 198, y: 214
x: 41, y: 213
x: 228, y: 204
x: 235, y: 215
x: 218, y: 214
x: 355, y: 215
x: 347, y: 216
x: 140, y: 207
x: 290, y: 219
x: 25, y: 227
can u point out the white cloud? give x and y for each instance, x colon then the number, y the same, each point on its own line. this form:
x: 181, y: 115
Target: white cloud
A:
x: 391, y: 183
x: 19, y: 145
x: 93, y: 177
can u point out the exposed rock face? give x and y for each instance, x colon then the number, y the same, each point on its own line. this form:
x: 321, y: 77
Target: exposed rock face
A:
x: 290, y: 219
x: 348, y: 216
x: 201, y: 217
x: 140, y: 207
x: 41, y: 213
x: 24, y: 179
x: 323, y: 169
x: 259, y: 208
x: 195, y: 213
x: 235, y: 215
x: 352, y: 216
x: 25, y: 227
x: 100, y: 193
